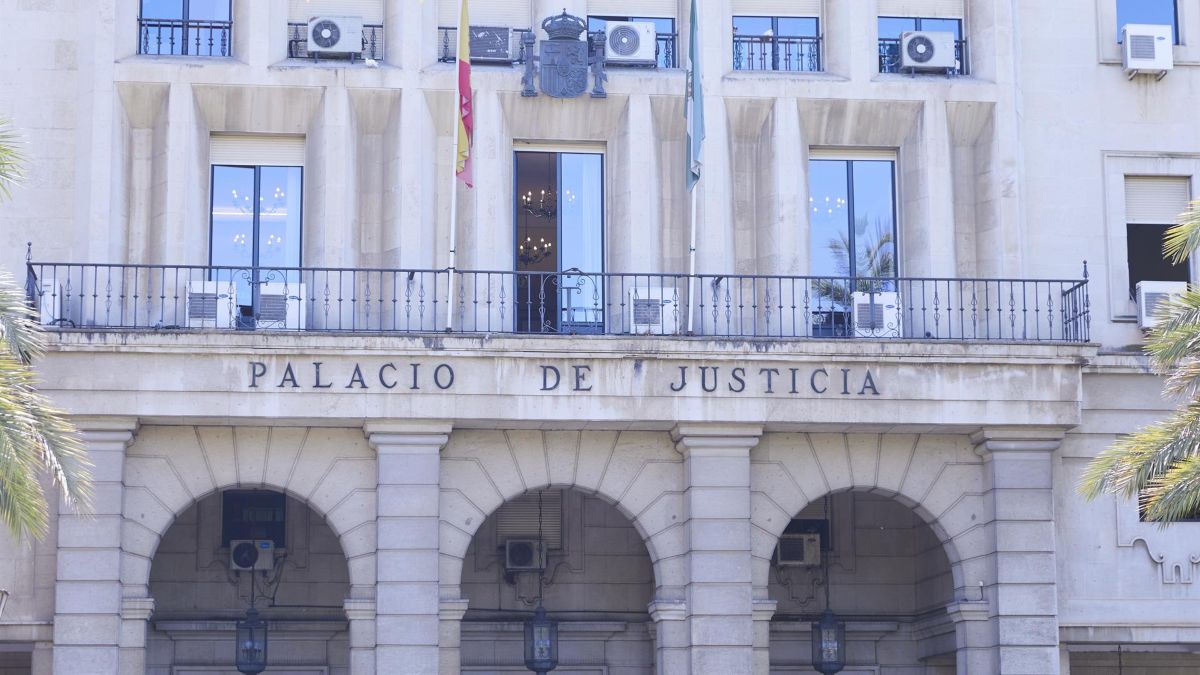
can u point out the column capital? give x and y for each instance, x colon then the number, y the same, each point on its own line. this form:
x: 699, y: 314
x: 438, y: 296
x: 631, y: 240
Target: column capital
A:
x: 359, y: 609
x: 407, y: 433
x: 703, y: 436
x: 452, y: 609
x: 667, y: 610
x: 106, y: 429
x: 137, y: 608
x: 968, y: 610
x: 763, y: 610
x: 990, y: 440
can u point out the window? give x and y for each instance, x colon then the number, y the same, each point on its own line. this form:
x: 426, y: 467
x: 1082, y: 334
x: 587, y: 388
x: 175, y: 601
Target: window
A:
x: 370, y: 11
x: 776, y: 43
x: 664, y: 27
x: 852, y: 235
x: 184, y: 27
x: 255, y: 227
x: 1157, y: 12
x: 1152, y: 204
x: 891, y: 28
x: 253, y: 514
x: 558, y: 213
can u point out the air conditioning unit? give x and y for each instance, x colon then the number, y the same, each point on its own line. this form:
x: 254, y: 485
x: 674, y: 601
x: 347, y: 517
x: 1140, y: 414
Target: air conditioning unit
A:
x: 247, y: 555
x: 1150, y: 294
x: 631, y: 42
x: 1147, y: 48
x: 522, y: 555
x: 653, y: 310
x: 494, y: 44
x: 335, y: 35
x: 50, y: 301
x: 798, y: 550
x: 281, y: 306
x: 211, y: 304
x: 927, y: 50
x: 876, y: 314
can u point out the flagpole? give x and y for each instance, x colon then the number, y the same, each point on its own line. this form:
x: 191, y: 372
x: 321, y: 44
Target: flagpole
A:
x: 692, y: 267
x: 454, y: 115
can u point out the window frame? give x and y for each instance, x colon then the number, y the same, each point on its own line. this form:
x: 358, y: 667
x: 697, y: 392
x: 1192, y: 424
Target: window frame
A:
x: 212, y: 197
x: 227, y: 511
x: 1174, y: 20
x: 849, y: 159
x: 774, y: 18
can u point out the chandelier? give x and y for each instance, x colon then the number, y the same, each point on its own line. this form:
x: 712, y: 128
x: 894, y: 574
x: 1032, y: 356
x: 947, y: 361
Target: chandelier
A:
x: 530, y: 251
x: 544, y: 205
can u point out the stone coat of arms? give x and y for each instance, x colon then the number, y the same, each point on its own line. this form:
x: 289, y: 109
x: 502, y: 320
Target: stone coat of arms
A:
x: 564, y: 61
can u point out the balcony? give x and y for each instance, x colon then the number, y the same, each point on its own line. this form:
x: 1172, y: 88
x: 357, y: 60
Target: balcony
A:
x: 372, y: 42
x: 184, y: 37
x: 394, y: 301
x: 777, y: 52
x: 889, y: 56
x: 501, y: 46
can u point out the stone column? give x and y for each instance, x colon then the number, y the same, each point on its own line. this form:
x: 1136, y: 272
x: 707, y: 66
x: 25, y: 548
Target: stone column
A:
x: 42, y: 659
x: 87, y: 596
x: 670, y: 637
x: 719, y: 593
x: 135, y: 623
x: 407, y: 620
x: 360, y: 612
x: 762, y: 612
x: 450, y: 615
x: 1019, y: 491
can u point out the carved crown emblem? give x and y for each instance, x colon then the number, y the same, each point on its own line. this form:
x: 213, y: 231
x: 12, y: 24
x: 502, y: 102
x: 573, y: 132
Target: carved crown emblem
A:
x: 564, y: 26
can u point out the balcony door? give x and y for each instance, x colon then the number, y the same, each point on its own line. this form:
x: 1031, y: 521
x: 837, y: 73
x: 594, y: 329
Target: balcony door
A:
x: 558, y: 254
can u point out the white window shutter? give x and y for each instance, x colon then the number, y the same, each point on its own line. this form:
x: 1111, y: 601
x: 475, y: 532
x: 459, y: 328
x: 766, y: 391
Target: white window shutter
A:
x: 518, y: 518
x: 256, y: 150
x: 371, y: 11
x: 503, y: 13
x: 649, y: 8
x: 776, y: 7
x: 934, y: 9
x: 1155, y: 200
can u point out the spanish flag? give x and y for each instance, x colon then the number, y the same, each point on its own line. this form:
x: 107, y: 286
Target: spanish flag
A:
x: 464, y: 117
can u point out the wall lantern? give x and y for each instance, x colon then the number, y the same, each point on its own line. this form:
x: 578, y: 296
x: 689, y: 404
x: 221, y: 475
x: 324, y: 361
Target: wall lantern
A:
x: 828, y: 644
x: 541, y: 642
x: 251, y: 648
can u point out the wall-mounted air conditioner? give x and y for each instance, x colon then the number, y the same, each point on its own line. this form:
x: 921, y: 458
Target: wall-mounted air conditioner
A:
x: 1147, y: 48
x: 927, y: 50
x: 251, y: 555
x: 798, y: 550
x: 281, y: 306
x: 1150, y: 294
x: 211, y: 304
x: 494, y: 44
x: 50, y: 301
x: 875, y: 314
x: 653, y: 310
x: 335, y: 35
x: 631, y: 42
x: 522, y: 555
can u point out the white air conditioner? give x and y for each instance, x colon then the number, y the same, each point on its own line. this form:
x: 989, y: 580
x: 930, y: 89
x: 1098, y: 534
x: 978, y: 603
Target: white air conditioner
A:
x: 1150, y: 294
x: 494, y: 44
x: 876, y: 314
x: 251, y: 555
x: 927, y: 50
x: 1147, y: 48
x: 798, y: 550
x: 281, y: 306
x: 524, y: 554
x: 631, y: 42
x: 653, y: 310
x: 335, y: 35
x: 50, y: 301
x: 211, y: 304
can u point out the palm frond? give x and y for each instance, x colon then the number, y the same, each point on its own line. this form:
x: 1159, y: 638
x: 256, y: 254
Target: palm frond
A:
x: 12, y: 160
x: 1129, y: 465
x: 18, y: 328
x: 1174, y: 495
x: 1182, y: 239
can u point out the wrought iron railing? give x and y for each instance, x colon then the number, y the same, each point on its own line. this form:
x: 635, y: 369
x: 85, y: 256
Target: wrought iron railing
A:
x: 664, y: 50
x: 889, y: 57
x: 184, y: 38
x: 515, y: 53
x: 777, y: 52
x: 372, y: 41
x: 571, y: 302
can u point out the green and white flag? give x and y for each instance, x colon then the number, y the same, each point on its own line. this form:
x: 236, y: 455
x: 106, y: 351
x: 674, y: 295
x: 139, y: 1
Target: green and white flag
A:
x: 695, y: 105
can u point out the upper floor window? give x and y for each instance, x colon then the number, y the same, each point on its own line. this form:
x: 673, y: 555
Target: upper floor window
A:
x: 665, y: 36
x: 497, y: 29
x: 184, y: 27
x: 892, y: 29
x: 344, y: 40
x: 1155, y: 12
x: 776, y: 43
x: 1152, y: 205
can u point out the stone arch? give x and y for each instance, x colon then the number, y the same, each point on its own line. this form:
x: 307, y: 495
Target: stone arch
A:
x: 167, y: 469
x: 640, y: 473
x: 939, y: 477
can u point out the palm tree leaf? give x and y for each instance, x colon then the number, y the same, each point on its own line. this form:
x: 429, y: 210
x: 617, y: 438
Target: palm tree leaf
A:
x: 12, y: 160
x: 1175, y: 495
x: 1130, y: 464
x: 1183, y: 238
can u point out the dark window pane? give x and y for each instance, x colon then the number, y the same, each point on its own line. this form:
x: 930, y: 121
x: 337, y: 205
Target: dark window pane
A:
x: 1161, y: 12
x: 254, y: 514
x: 892, y: 26
x: 1144, y: 244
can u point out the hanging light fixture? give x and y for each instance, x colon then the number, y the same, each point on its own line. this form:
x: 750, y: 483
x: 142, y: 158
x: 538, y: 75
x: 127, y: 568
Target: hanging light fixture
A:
x: 829, y: 633
x: 541, y: 632
x: 250, y: 646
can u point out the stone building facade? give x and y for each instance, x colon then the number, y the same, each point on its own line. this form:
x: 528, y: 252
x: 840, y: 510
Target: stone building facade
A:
x: 391, y: 436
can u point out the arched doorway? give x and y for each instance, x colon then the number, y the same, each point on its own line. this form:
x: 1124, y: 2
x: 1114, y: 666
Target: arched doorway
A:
x: 595, y: 577
x: 887, y: 576
x: 199, y: 594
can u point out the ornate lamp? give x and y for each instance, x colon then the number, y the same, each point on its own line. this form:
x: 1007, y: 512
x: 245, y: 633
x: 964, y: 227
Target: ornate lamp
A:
x: 541, y: 642
x: 251, y: 648
x: 828, y: 634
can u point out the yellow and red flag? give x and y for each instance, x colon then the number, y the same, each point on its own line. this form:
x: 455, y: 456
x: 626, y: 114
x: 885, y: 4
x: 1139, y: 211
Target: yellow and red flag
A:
x: 465, y: 119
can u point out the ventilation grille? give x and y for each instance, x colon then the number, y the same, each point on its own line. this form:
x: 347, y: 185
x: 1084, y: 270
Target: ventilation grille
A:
x: 1141, y: 46
x: 625, y: 40
x: 272, y: 307
x: 647, y: 312
x: 518, y: 518
x: 1152, y: 300
x: 202, y: 305
x: 870, y: 315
